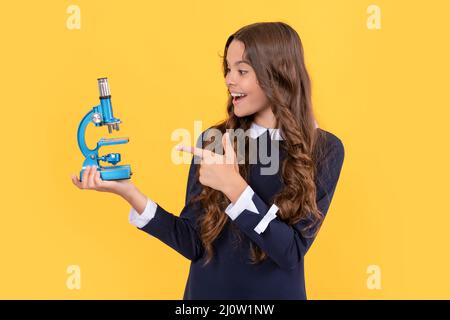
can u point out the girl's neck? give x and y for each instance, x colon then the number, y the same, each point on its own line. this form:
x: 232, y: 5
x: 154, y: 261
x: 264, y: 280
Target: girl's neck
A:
x: 265, y: 118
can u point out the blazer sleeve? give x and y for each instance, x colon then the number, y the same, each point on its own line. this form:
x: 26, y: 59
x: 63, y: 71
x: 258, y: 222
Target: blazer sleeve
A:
x: 283, y: 243
x: 180, y: 232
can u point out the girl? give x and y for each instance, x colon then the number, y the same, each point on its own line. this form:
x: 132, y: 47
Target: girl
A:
x: 245, y: 232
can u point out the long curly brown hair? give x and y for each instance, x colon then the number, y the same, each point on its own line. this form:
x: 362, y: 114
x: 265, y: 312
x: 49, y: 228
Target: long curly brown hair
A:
x: 275, y: 52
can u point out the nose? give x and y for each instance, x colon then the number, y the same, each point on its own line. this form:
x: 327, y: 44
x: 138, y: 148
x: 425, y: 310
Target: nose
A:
x: 229, y: 80
x: 228, y: 83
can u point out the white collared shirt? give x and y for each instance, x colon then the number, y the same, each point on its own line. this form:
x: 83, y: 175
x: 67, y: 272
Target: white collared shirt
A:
x: 256, y: 130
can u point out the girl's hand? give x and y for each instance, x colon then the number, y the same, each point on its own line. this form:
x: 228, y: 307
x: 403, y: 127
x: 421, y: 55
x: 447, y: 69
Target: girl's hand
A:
x: 91, y: 181
x: 220, y: 172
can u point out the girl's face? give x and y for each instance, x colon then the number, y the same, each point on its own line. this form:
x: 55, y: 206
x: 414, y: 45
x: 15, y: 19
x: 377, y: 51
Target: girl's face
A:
x: 241, y: 78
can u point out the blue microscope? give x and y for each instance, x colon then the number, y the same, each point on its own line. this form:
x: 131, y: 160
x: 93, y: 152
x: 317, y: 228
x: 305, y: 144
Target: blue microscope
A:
x: 103, y: 115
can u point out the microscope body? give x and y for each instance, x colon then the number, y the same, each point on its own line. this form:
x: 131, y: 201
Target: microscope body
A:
x: 102, y: 115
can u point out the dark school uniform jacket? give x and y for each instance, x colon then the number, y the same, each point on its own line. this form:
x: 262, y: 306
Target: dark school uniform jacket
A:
x: 230, y: 274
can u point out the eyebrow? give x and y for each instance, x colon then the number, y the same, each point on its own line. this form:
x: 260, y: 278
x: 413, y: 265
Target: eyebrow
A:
x: 238, y: 62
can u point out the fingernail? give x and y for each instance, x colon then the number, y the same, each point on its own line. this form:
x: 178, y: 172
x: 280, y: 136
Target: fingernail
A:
x: 178, y: 147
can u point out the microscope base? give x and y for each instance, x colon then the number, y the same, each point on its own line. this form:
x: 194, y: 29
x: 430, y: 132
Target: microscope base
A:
x: 113, y: 172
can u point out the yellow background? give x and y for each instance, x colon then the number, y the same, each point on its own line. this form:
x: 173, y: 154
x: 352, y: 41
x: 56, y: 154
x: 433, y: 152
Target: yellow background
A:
x: 384, y: 93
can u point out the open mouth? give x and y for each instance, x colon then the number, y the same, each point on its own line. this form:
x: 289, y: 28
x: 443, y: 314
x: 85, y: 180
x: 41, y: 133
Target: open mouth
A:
x: 238, y: 97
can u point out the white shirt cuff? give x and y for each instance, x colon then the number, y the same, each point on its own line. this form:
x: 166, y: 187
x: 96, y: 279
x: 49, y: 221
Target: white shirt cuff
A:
x: 243, y: 202
x: 269, y: 216
x: 140, y: 220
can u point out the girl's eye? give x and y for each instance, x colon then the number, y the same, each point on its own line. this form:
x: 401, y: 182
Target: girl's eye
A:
x: 242, y: 72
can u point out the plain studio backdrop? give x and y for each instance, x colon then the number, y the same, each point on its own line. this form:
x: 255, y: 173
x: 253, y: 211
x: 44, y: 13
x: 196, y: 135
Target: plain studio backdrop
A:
x: 380, y: 83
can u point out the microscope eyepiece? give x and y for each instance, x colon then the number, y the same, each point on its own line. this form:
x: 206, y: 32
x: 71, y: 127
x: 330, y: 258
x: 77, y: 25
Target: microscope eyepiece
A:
x: 103, y: 87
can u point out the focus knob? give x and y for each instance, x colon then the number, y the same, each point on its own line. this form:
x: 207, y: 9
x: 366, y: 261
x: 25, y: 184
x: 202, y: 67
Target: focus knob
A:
x: 96, y: 118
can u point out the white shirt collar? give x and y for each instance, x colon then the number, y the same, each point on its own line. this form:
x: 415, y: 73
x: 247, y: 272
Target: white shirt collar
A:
x: 256, y: 130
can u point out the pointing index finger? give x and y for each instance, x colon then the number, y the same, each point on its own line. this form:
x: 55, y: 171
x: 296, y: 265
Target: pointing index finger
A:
x: 199, y: 152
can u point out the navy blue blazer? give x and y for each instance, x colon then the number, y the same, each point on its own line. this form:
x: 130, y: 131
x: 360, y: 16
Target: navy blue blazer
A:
x: 230, y: 274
